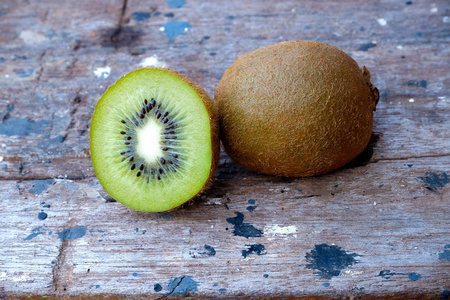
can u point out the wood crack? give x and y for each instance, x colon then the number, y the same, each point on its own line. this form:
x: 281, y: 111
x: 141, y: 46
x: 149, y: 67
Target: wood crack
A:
x: 115, y: 37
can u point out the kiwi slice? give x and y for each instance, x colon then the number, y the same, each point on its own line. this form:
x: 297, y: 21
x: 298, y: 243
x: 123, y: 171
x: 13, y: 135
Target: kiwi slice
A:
x: 154, y: 140
x: 298, y: 108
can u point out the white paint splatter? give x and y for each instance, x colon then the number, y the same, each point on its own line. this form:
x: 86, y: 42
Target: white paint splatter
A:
x: 186, y: 29
x: 31, y: 37
x: 213, y: 201
x: 162, y: 28
x: 152, y: 61
x: 434, y: 10
x: 6, y: 75
x: 411, y: 100
x: 399, y: 47
x: 103, y: 72
x: 1, y: 158
x: 382, y: 22
x: 441, y: 98
x: 446, y: 19
x: 277, y: 230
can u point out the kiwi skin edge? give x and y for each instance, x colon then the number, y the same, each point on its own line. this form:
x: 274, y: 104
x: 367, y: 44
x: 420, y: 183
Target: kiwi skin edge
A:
x: 214, y: 134
x: 295, y: 109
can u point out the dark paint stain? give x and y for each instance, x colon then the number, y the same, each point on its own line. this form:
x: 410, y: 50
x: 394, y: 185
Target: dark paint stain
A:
x: 329, y: 260
x: 176, y: 3
x: 42, y: 215
x: 365, y: 47
x: 386, y: 274
x: 419, y: 83
x: 36, y: 231
x: 266, y: 275
x: 119, y: 37
x: 173, y: 29
x: 23, y: 127
x: 181, y: 286
x: 72, y: 233
x: 409, y: 2
x: 435, y: 181
x: 40, y: 185
x: 251, y: 201
x: 414, y: 276
x: 205, y: 252
x: 257, y: 249
x: 157, y: 287
x: 243, y: 229
x: 222, y: 291
x: 446, y: 254
x: 251, y: 208
x: 140, y: 16
x: 169, y: 15
x: 24, y: 73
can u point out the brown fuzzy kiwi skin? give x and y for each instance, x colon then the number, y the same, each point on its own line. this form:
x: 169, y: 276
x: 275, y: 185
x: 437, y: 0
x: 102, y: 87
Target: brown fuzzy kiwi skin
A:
x: 295, y: 109
x: 211, y: 108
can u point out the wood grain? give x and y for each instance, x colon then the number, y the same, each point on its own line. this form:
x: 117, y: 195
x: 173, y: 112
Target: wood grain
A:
x: 377, y: 229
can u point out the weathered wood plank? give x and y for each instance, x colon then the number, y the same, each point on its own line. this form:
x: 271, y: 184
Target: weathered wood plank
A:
x: 383, y: 219
x: 388, y: 214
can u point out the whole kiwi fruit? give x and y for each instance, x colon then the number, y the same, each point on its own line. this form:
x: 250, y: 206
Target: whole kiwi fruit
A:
x: 155, y: 140
x: 296, y: 108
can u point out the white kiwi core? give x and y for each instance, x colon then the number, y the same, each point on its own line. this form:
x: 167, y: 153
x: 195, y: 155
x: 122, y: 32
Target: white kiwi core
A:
x: 149, y: 141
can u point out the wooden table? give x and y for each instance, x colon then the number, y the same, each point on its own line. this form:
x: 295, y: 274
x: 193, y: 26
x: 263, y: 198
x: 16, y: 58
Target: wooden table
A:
x: 378, y: 228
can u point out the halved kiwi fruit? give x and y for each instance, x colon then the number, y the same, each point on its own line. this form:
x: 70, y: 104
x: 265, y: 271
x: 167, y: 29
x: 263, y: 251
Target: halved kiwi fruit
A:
x: 154, y: 140
x: 298, y: 108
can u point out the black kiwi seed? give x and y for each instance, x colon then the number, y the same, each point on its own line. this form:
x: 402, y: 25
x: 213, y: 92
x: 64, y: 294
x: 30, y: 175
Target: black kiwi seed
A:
x: 138, y: 174
x: 133, y: 166
x: 141, y: 168
x: 163, y: 161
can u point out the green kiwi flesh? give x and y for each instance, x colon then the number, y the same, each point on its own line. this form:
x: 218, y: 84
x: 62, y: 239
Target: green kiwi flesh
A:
x: 154, y: 140
x: 298, y: 108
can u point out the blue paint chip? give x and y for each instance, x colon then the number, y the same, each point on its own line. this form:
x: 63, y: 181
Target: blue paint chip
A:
x: 434, y: 181
x: 40, y: 185
x: 36, y: 231
x: 140, y: 16
x: 23, y: 127
x: 42, y: 215
x: 25, y: 72
x: 414, y: 276
x: 176, y: 3
x: 173, y: 29
x: 445, y: 255
x: 243, y: 229
x: 157, y: 287
x: 181, y: 286
x: 135, y: 274
x: 257, y: 249
x: 72, y: 233
x: 222, y: 291
x: 326, y: 284
x: 251, y: 201
x: 266, y: 275
x: 329, y: 260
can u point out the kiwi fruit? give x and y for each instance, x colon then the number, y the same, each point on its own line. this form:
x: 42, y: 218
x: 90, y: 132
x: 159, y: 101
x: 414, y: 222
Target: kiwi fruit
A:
x: 296, y: 108
x: 154, y: 140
